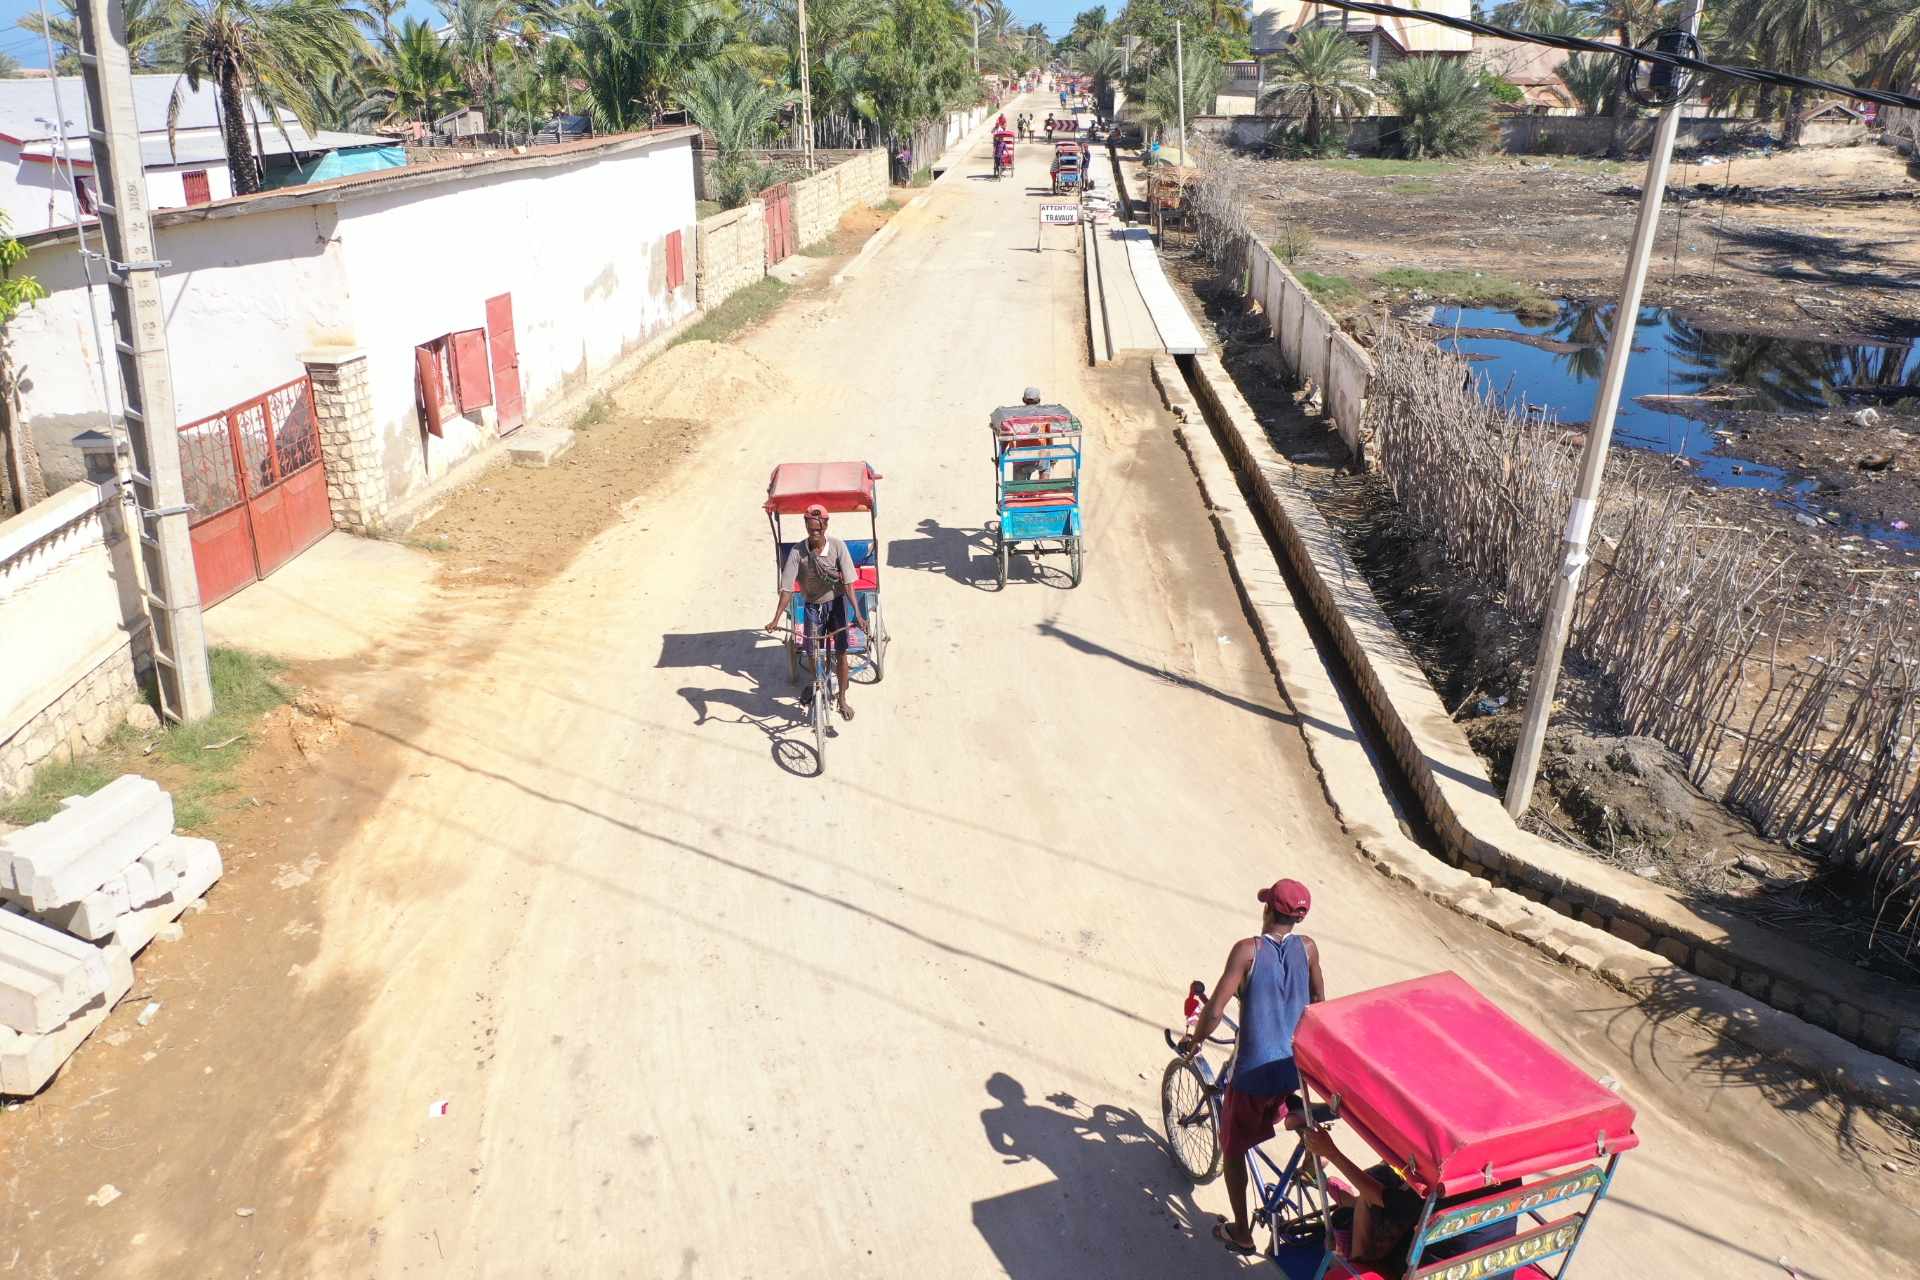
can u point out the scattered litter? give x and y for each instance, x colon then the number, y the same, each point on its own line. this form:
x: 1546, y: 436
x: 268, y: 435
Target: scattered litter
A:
x: 1143, y: 1076
x: 1803, y: 518
x: 1224, y: 640
x: 1647, y: 873
x: 215, y: 746
x: 105, y: 1196
x: 1864, y: 417
x: 1891, y: 1167
x: 1789, y: 1270
x: 1899, y: 524
x: 243, y: 1213
x: 436, y: 1109
x: 148, y: 1014
x: 1608, y: 1082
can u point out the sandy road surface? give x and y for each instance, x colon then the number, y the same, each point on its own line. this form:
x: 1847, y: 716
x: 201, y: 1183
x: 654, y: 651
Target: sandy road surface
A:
x: 698, y: 1016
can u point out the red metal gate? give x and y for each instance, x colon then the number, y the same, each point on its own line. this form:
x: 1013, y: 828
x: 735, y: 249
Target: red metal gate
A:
x: 779, y: 202
x: 256, y: 486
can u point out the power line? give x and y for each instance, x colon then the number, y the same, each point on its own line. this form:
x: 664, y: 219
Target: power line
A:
x: 1579, y: 44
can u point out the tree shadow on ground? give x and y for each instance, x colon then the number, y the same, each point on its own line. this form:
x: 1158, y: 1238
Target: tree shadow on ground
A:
x: 1116, y: 1206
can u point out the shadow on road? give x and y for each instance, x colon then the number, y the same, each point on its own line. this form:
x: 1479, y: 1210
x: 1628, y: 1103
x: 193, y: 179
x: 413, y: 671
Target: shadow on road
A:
x: 941, y: 549
x: 1097, y: 650
x: 1116, y: 1206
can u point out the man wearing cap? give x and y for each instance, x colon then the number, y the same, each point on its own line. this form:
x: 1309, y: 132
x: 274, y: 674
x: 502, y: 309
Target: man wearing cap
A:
x: 1276, y: 976
x: 823, y: 571
x: 1041, y: 469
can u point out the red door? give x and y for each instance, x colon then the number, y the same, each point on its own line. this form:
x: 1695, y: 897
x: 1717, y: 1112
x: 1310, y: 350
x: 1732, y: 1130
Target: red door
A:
x: 779, y: 202
x: 257, y: 488
x: 506, y: 363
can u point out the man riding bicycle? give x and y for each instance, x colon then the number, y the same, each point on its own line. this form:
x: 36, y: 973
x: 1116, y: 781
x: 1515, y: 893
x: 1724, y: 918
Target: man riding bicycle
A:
x: 1276, y: 976
x: 823, y: 571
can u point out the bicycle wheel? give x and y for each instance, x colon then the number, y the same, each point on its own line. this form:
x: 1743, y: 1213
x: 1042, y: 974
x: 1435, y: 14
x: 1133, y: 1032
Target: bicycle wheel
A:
x: 822, y: 712
x: 1076, y: 558
x: 1187, y: 1115
x: 876, y: 642
x: 1001, y: 552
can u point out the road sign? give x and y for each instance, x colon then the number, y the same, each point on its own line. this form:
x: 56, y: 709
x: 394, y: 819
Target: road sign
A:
x: 1059, y: 215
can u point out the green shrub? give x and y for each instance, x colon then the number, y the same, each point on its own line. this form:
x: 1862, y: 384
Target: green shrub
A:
x: 1295, y: 242
x: 1444, y: 108
x: 1461, y: 286
x: 1289, y: 142
x: 1414, y: 188
x: 1329, y: 290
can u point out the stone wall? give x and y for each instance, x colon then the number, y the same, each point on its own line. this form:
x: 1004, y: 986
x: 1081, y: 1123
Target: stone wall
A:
x: 349, y: 441
x: 76, y: 721
x: 1540, y: 135
x: 820, y: 201
x: 732, y: 253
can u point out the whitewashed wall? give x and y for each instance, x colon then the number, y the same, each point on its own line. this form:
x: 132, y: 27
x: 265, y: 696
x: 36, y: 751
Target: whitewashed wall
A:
x: 581, y: 247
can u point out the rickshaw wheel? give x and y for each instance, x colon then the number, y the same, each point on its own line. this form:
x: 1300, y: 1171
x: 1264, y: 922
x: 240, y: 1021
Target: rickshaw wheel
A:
x: 1187, y: 1115
x: 1001, y: 553
x: 876, y: 642
x: 1076, y: 558
x: 822, y: 711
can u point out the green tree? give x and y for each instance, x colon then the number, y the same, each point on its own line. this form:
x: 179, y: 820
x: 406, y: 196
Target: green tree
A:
x: 416, y: 67
x: 377, y: 17
x: 920, y: 65
x: 1591, y: 78
x: 738, y: 110
x: 1444, y: 108
x: 1103, y: 61
x: 150, y: 34
x: 21, y: 484
x: 1088, y: 25
x: 341, y: 101
x: 1322, y: 74
x: 277, y: 46
x: 630, y: 54
x: 1628, y: 21
x: 1204, y: 77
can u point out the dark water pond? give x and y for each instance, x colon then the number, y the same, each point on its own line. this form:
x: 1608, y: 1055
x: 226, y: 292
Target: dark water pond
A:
x: 1673, y: 357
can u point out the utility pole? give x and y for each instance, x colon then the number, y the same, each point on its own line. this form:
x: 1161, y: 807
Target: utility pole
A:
x: 974, y: 8
x: 1593, y: 460
x: 806, y: 90
x: 146, y: 381
x: 1180, y: 87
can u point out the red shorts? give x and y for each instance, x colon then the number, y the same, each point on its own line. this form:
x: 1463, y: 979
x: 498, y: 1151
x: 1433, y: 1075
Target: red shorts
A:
x: 1246, y: 1121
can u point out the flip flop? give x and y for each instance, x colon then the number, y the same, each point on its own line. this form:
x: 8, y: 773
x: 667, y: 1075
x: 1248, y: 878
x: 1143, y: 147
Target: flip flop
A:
x: 846, y: 713
x: 1222, y: 1233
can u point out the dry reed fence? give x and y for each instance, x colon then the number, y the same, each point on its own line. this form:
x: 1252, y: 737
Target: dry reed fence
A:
x: 1693, y: 619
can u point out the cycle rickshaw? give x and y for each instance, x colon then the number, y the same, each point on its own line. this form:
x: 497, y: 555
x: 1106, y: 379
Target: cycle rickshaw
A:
x: 1036, y: 460
x: 1494, y: 1129
x: 1068, y: 172
x: 840, y: 487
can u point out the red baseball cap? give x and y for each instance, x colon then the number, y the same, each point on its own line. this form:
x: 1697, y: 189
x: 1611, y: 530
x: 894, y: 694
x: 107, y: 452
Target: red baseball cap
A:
x: 815, y: 509
x: 1288, y: 897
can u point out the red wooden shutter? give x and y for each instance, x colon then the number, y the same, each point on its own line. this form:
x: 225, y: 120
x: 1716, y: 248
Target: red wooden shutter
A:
x: 506, y: 363
x: 472, y: 387
x: 426, y: 365
x: 676, y: 262
x: 197, y: 190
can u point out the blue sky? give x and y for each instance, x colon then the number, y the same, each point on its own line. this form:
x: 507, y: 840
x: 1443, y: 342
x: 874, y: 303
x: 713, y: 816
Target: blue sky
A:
x: 31, y: 52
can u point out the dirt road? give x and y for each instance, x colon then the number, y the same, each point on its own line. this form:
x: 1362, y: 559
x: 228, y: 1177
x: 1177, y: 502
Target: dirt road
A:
x: 694, y: 1014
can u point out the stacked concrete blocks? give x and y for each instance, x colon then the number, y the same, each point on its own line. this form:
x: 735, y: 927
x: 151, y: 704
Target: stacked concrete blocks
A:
x: 80, y: 895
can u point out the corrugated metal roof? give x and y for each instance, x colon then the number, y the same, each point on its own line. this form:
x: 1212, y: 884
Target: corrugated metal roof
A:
x: 27, y: 112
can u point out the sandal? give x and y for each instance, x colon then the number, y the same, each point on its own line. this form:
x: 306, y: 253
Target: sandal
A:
x: 1223, y: 1232
x: 846, y: 712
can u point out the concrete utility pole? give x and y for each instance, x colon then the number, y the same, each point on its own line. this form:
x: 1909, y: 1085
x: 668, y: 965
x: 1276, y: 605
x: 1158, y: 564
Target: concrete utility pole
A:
x: 1593, y: 461
x: 1180, y: 87
x: 975, y: 10
x: 146, y: 381
x: 806, y: 90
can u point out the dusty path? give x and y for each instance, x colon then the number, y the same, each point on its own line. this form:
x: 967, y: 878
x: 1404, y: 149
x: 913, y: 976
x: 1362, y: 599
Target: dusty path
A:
x: 695, y: 1015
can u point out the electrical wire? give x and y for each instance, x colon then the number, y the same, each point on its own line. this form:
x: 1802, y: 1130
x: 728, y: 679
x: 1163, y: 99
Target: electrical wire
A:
x: 1580, y: 44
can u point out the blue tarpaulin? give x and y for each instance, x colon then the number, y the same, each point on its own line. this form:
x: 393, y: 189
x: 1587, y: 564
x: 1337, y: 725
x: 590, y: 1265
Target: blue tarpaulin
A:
x: 338, y: 164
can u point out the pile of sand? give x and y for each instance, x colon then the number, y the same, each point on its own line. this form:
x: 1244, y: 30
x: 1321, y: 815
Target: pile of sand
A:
x: 701, y: 380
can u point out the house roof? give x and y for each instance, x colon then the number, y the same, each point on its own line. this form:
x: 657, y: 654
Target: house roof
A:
x: 206, y: 147
x: 1274, y: 22
x: 27, y: 117
x: 352, y: 186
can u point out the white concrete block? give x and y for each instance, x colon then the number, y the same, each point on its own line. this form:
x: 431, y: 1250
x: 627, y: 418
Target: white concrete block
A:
x: 28, y: 1061
x: 71, y: 854
x: 538, y: 446
x: 94, y: 916
x: 201, y: 859
x: 138, y: 878
x: 164, y: 867
x: 45, y: 976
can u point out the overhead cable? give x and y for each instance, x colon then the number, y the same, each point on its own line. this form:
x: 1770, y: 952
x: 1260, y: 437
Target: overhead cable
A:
x: 1579, y: 44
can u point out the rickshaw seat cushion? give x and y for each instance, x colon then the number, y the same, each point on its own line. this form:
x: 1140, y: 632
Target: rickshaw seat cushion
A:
x: 1059, y: 499
x: 869, y: 579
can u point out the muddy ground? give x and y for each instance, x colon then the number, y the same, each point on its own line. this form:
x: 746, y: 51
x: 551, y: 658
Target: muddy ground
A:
x: 1620, y: 799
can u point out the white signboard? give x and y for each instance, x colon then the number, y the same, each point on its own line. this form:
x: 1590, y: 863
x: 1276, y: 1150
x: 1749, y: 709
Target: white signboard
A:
x: 1059, y: 215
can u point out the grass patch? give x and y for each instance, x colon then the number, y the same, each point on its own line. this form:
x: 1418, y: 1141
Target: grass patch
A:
x: 245, y: 687
x: 597, y: 412
x: 1329, y: 289
x: 1461, y: 286
x: 1295, y: 242
x: 1588, y: 166
x: 707, y: 208
x: 755, y: 302
x: 923, y: 177
x: 1412, y: 188
x: 889, y: 205
x: 819, y: 249
x: 1390, y: 168
x: 424, y: 544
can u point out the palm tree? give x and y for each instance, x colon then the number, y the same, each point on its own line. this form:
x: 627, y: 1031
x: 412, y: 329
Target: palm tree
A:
x: 341, y: 102
x: 1624, y: 18
x: 1591, y: 78
x: 377, y: 16
x: 476, y: 29
x: 737, y: 109
x: 1323, y: 73
x: 1444, y: 106
x: 150, y: 30
x: 1103, y: 60
x: 276, y: 46
x: 1204, y: 77
x: 631, y: 53
x: 417, y: 69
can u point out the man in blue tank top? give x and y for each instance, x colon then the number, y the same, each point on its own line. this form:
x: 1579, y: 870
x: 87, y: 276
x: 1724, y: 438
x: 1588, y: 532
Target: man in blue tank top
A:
x: 1276, y: 976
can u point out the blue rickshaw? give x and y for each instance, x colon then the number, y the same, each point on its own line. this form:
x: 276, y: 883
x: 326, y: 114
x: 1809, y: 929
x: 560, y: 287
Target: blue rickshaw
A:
x: 1036, y: 458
